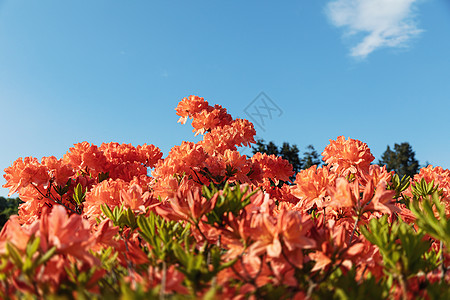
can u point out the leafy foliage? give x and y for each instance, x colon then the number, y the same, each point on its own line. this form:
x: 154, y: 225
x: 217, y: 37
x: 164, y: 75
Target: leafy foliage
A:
x: 403, y: 249
x: 229, y: 201
x: 8, y: 207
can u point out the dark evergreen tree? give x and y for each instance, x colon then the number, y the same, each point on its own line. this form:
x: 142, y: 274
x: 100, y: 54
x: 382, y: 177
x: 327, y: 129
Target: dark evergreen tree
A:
x: 310, y: 158
x: 401, y: 160
x: 269, y: 148
x: 8, y: 207
x: 291, y: 154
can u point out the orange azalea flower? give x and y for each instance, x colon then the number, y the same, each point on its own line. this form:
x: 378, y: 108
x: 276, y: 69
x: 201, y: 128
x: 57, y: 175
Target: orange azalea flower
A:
x: 272, y: 233
x: 205, y: 117
x: 136, y: 199
x: 117, y: 192
x: 106, y: 192
x: 24, y: 172
x: 12, y: 232
x: 311, y: 186
x: 207, y: 120
x: 103, y: 234
x: 236, y: 235
x: 127, y: 170
x: 238, y: 133
x: 187, y: 158
x: 69, y: 234
x: 347, y: 156
x: 58, y: 171
x: 383, y: 200
x: 438, y: 174
x: 441, y: 178
x: 347, y: 194
x: 188, y: 107
x: 130, y: 251
x: 31, y: 209
x: 266, y: 236
x: 251, y: 268
x: 117, y: 153
x: 230, y: 165
x: 86, y: 157
x: 167, y: 187
x: 280, y: 194
x: 333, y: 247
x: 238, y: 164
x: 376, y: 174
x: 274, y: 167
x: 190, y: 207
x: 283, y: 271
x: 149, y: 155
x: 293, y: 227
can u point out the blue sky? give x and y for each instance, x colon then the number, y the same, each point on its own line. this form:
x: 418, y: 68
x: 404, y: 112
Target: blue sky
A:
x: 102, y: 71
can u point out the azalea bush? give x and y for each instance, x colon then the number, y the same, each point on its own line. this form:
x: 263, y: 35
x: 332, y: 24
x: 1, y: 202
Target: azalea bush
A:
x: 212, y: 223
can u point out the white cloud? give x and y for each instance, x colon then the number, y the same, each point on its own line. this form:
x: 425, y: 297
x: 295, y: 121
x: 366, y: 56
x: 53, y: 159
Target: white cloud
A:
x: 164, y: 74
x: 383, y: 23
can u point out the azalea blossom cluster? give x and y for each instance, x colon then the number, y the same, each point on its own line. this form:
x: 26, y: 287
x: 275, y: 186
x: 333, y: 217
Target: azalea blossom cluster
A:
x: 210, y: 222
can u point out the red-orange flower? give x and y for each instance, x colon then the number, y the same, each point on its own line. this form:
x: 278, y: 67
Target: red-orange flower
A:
x: 272, y: 233
x: 188, y: 158
x: 190, y: 207
x: 209, y: 119
x: 24, y: 172
x: 353, y: 195
x: 188, y: 107
x: 86, y: 157
x: 58, y: 170
x: 107, y: 192
x: 274, y: 167
x: 12, y: 232
x: 333, y: 246
x: 311, y: 186
x: 117, y: 153
x: 136, y: 198
x: 347, y: 156
x: 69, y: 234
x: 238, y: 133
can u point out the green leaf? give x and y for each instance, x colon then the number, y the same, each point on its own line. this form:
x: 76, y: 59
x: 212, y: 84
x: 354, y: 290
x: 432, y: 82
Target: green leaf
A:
x: 13, y: 252
x: 33, y: 246
x: 79, y: 194
x: 436, y: 226
x: 102, y: 176
x: 44, y: 258
x: 28, y: 265
x: 107, y: 211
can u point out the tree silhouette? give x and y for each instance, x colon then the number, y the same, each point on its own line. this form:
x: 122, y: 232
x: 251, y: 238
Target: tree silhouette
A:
x: 310, y: 158
x: 269, y: 148
x: 291, y: 154
x: 8, y: 207
x: 401, y: 160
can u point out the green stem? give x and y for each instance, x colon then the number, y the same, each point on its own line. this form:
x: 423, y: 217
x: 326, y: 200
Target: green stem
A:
x: 353, y: 232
